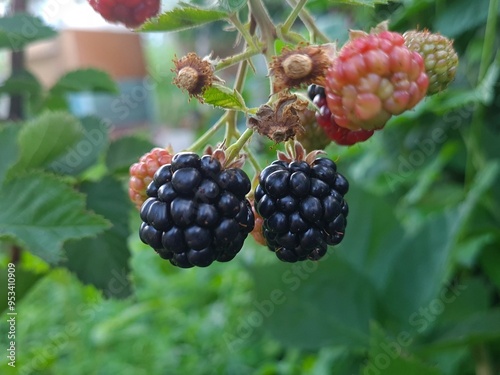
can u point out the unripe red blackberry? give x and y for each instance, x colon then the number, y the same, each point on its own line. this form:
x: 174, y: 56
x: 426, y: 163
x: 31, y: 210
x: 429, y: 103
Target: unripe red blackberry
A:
x: 341, y: 136
x: 142, y: 172
x: 303, y: 208
x: 374, y: 77
x: 440, y: 58
x: 196, y: 212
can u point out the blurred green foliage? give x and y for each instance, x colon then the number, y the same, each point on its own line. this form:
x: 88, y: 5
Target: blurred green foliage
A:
x: 413, y: 289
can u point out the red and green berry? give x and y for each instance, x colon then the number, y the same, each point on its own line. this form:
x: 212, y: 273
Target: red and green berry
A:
x: 440, y: 58
x: 374, y: 77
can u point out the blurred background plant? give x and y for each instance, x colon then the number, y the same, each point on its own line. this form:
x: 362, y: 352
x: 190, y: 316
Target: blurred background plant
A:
x: 413, y: 289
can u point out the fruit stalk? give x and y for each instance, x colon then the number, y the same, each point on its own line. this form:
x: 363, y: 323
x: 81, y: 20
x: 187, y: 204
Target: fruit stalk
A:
x: 266, y: 25
x: 307, y: 19
x: 293, y: 16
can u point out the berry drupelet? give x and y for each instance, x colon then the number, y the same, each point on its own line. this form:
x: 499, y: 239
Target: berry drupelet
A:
x: 303, y: 208
x: 196, y: 212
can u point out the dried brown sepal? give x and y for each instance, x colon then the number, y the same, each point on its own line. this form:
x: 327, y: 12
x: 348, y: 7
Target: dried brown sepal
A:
x: 193, y: 74
x: 382, y: 26
x: 296, y: 152
x: 304, y: 65
x: 219, y: 153
x: 280, y: 122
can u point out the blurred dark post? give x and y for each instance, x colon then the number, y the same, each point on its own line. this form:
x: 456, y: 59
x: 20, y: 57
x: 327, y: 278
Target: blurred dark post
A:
x: 17, y: 64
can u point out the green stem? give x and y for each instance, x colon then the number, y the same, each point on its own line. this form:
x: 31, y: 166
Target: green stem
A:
x: 266, y: 26
x: 483, y: 360
x: 293, y: 16
x: 234, y: 150
x: 232, y: 116
x: 246, y: 34
x: 229, y: 61
x: 203, y: 140
x: 253, y: 160
x: 231, y: 130
x: 475, y: 153
x: 308, y: 20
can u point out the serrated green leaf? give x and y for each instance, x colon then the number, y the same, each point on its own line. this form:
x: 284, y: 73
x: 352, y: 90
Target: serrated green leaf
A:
x: 182, y: 18
x: 20, y: 29
x: 85, y: 80
x: 45, y: 138
x: 103, y: 260
x: 126, y: 151
x: 224, y: 97
x: 40, y: 212
x: 9, y: 148
x: 85, y: 152
x: 22, y: 82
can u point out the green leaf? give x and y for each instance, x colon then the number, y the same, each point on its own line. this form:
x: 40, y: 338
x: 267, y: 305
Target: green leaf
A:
x: 430, y: 247
x: 85, y: 80
x: 126, y: 151
x: 40, y: 212
x: 22, y: 82
x: 45, y: 138
x: 9, y: 148
x: 461, y: 16
x: 224, y: 97
x: 103, y: 260
x: 478, y: 328
x: 490, y: 261
x: 280, y: 44
x: 20, y: 29
x: 389, y: 356
x: 483, y: 93
x: 86, y: 152
x: 465, y: 253
x: 25, y: 280
x: 326, y: 302
x: 182, y: 18
x: 231, y: 6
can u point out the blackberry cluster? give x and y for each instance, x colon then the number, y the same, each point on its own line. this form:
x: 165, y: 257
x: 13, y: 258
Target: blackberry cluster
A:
x: 197, y: 212
x: 303, y: 208
x: 341, y: 136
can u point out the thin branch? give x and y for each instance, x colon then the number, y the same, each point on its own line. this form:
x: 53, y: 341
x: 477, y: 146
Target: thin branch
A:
x: 310, y: 24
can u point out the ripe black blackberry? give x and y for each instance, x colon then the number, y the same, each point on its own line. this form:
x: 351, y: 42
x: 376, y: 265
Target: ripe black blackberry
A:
x: 196, y: 212
x: 341, y: 136
x: 303, y: 208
